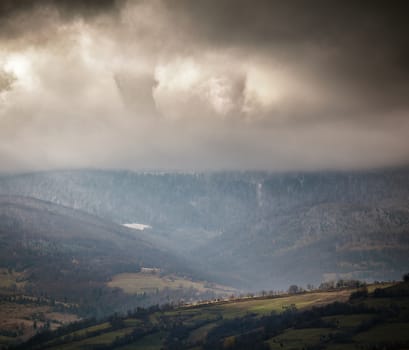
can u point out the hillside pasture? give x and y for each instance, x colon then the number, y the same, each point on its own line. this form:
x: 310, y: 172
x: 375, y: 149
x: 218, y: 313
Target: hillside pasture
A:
x: 264, y: 306
x: 278, y: 322
x: 139, y: 283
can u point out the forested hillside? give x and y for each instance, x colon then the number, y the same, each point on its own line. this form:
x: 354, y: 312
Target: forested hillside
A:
x: 250, y: 230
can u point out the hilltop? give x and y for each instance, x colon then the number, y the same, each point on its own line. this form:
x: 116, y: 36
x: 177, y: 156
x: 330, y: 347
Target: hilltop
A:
x: 339, y: 319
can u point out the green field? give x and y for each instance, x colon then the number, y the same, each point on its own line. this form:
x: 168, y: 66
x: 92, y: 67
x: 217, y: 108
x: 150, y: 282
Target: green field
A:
x: 325, y: 320
x: 348, y: 321
x: 90, y: 330
x: 200, y: 333
x: 138, y: 283
x: 383, y: 333
x: 265, y: 306
x: 86, y: 343
x: 300, y: 338
x: 150, y: 342
x: 6, y: 340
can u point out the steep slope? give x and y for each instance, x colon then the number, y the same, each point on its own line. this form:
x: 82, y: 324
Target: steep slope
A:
x: 257, y: 230
x: 311, y: 244
x: 64, y: 252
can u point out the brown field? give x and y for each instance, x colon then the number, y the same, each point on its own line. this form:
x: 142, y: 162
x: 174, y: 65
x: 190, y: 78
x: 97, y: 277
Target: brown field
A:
x: 20, y: 318
x: 138, y: 283
x: 11, y: 281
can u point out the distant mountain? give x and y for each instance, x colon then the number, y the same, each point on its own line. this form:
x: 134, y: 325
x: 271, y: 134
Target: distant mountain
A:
x: 250, y: 229
x: 314, y: 243
x: 65, y: 252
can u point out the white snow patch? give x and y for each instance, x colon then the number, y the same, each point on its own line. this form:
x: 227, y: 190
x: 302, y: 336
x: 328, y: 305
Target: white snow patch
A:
x: 137, y: 226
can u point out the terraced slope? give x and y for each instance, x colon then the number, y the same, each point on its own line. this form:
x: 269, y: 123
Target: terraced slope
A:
x: 324, y: 320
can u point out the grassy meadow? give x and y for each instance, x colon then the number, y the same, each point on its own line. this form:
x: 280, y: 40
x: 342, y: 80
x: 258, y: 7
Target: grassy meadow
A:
x: 338, y: 319
x: 138, y: 283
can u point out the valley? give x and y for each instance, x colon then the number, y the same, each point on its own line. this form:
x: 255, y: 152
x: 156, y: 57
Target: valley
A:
x: 204, y: 175
x: 59, y: 265
x: 250, y: 230
x: 78, y: 245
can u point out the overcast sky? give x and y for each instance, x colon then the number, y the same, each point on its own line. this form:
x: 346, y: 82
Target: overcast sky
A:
x: 198, y: 85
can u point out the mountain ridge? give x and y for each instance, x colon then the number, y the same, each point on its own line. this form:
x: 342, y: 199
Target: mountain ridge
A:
x: 246, y: 227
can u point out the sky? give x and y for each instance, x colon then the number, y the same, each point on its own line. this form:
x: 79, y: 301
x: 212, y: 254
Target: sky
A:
x: 203, y: 85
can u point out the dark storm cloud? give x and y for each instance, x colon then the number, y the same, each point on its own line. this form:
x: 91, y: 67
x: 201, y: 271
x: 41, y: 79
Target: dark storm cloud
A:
x: 19, y: 18
x: 361, y: 47
x: 68, y: 8
x: 204, y: 84
x: 286, y: 22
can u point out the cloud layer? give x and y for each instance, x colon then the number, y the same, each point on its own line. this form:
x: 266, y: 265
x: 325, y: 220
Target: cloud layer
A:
x: 203, y: 85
